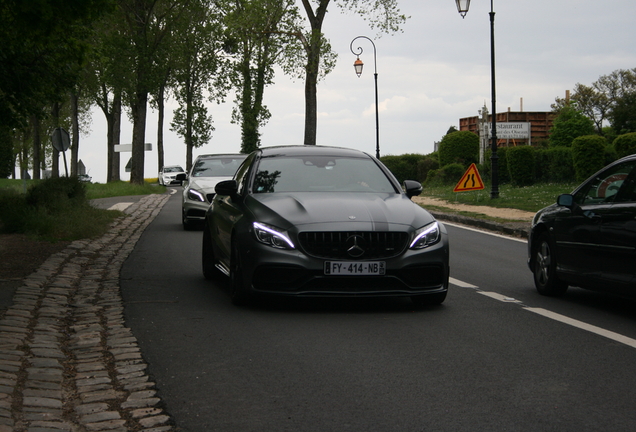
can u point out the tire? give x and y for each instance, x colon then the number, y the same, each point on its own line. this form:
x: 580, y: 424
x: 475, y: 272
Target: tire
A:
x: 208, y: 260
x: 545, y: 264
x: 238, y: 291
x: 429, y: 299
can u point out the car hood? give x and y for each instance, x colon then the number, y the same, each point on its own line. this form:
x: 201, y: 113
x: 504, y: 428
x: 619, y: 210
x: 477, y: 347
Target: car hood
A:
x: 205, y: 184
x: 341, y: 211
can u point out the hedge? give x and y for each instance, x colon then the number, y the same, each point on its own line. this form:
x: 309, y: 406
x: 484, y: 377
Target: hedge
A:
x: 588, y: 154
x: 459, y: 147
x: 521, y: 165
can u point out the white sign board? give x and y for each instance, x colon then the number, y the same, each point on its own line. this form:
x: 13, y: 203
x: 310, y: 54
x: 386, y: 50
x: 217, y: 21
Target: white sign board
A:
x: 128, y: 147
x: 510, y: 130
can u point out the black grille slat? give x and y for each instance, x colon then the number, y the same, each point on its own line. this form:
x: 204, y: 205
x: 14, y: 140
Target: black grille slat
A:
x: 333, y: 244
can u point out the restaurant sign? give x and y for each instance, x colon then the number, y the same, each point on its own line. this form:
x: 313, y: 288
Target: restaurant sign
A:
x: 510, y: 130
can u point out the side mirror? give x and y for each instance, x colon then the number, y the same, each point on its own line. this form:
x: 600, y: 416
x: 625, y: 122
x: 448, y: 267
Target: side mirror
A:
x: 412, y: 188
x: 565, y: 200
x: 227, y: 187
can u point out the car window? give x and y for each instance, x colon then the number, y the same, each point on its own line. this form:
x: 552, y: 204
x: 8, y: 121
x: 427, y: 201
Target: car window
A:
x: 605, y: 187
x: 320, y: 174
x: 216, y: 167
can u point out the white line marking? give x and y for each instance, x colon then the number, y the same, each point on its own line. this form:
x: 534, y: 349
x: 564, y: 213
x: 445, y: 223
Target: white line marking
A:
x: 552, y: 315
x: 120, y: 206
x: 461, y: 284
x: 485, y: 232
x: 584, y: 326
x: 499, y: 297
x: 173, y: 191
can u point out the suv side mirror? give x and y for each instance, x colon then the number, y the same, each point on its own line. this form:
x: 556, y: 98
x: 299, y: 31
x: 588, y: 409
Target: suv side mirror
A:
x: 565, y: 200
x: 182, y: 177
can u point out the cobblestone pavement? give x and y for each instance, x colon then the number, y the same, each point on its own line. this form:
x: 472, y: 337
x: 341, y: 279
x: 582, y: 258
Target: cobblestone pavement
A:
x: 67, y: 362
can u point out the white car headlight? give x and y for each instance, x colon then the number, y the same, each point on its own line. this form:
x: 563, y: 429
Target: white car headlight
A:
x: 426, y: 236
x: 272, y: 237
x: 195, y: 195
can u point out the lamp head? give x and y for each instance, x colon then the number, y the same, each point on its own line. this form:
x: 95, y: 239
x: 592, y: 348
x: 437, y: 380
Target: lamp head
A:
x: 358, y: 66
x: 462, y: 7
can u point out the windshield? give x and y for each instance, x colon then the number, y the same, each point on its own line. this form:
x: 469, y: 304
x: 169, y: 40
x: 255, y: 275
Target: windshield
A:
x: 173, y: 169
x: 320, y: 174
x: 217, y: 167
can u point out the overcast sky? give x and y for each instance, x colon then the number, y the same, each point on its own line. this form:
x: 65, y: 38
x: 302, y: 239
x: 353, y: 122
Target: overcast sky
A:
x: 429, y: 76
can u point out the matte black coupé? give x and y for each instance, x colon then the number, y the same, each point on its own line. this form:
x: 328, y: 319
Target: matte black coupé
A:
x: 312, y: 221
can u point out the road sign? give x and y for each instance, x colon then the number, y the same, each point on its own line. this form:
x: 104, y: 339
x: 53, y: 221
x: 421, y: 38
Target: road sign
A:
x: 471, y: 180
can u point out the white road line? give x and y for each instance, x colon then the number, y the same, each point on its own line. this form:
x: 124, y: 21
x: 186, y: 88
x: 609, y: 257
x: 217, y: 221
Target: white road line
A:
x: 584, y: 326
x: 552, y: 315
x: 461, y: 284
x: 485, y: 232
x: 120, y: 206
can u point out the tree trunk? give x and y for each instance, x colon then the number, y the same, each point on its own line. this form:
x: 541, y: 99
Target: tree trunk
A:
x: 75, y: 133
x: 37, y: 144
x: 139, y: 111
x: 161, y: 113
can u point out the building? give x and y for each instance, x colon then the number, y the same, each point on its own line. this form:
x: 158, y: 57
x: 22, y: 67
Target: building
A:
x: 540, y: 125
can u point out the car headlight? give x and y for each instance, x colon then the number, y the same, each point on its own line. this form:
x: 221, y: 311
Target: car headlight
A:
x: 195, y: 195
x: 272, y: 237
x: 426, y: 236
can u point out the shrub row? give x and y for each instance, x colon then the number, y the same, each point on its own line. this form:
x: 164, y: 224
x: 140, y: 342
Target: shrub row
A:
x: 520, y: 166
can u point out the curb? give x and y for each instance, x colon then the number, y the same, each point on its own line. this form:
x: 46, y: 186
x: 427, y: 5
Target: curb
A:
x: 515, y: 229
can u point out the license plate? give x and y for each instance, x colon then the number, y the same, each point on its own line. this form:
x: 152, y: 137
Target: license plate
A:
x: 354, y: 268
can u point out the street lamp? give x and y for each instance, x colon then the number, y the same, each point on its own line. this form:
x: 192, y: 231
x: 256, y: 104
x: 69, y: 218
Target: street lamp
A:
x: 358, y: 67
x: 462, y: 8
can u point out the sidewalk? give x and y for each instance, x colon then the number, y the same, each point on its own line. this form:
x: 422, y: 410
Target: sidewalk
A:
x: 67, y: 361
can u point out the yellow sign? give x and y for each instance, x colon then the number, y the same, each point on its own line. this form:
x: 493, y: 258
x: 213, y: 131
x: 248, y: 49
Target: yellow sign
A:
x: 470, y: 180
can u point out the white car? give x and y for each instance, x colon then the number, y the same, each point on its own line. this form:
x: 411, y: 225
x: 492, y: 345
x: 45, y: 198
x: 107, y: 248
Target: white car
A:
x: 198, y: 190
x: 168, y: 175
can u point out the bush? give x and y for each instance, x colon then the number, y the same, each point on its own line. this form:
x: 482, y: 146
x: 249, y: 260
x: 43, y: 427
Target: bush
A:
x: 588, y: 154
x: 554, y: 165
x: 459, y: 147
x: 521, y: 165
x: 57, y: 193
x: 625, y: 144
x: 502, y: 163
x: 403, y: 167
x: 569, y: 124
x: 424, y: 166
x: 448, y: 175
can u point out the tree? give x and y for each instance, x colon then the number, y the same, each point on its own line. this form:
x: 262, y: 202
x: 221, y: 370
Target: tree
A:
x: 146, y: 25
x: 381, y: 14
x: 196, y: 54
x: 41, y: 55
x: 569, y: 124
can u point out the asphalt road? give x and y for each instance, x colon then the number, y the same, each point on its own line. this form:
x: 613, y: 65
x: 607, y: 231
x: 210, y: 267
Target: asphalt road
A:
x: 495, y: 356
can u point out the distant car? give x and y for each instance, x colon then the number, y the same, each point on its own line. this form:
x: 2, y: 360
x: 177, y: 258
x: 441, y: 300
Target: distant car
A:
x: 168, y: 175
x: 84, y: 178
x: 588, y: 238
x: 198, y: 191
x: 312, y: 221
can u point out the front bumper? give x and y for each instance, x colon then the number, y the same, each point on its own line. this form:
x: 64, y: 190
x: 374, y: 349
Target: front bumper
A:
x: 292, y: 273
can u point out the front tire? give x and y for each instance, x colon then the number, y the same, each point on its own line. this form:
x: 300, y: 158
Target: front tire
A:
x: 545, y: 264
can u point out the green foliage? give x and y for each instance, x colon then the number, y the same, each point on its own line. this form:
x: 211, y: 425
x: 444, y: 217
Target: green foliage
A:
x: 502, y: 161
x: 403, y: 167
x: 588, y: 154
x: 52, y: 209
x: 447, y: 175
x: 459, y: 147
x: 554, y: 164
x: 424, y: 166
x: 521, y: 165
x: 569, y: 124
x: 6, y: 152
x: 625, y: 144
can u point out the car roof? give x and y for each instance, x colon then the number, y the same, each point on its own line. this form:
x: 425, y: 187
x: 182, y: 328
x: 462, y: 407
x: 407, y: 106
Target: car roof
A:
x: 212, y: 156
x: 311, y: 150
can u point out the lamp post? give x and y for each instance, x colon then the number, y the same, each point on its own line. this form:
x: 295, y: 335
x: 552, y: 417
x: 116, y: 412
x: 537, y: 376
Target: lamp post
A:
x: 462, y: 8
x: 358, y: 67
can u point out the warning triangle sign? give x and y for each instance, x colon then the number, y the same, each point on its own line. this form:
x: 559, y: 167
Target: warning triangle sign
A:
x: 470, y: 180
